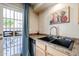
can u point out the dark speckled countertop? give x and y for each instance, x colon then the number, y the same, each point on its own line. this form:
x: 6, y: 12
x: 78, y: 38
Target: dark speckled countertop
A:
x: 73, y: 52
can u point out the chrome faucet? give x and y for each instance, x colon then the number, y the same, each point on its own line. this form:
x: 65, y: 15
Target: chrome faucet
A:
x: 56, y: 30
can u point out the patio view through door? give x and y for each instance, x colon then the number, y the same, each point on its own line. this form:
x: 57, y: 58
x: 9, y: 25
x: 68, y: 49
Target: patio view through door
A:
x: 12, y: 32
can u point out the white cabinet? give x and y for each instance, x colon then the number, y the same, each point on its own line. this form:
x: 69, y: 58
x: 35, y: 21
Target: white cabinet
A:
x: 40, y: 48
x: 39, y: 52
x: 43, y: 49
x: 54, y: 52
x: 40, y: 44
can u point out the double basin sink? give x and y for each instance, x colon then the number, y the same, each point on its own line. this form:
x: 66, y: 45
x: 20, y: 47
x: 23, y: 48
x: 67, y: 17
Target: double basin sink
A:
x: 59, y: 40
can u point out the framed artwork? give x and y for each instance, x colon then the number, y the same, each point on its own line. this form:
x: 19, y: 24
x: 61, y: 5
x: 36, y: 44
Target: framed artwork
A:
x: 61, y: 16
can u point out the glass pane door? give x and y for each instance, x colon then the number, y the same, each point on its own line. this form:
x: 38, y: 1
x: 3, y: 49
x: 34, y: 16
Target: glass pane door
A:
x: 12, y: 32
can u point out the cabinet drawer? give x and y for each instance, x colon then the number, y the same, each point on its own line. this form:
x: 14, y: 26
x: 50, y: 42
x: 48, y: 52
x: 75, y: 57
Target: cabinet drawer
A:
x: 39, y: 52
x: 40, y: 44
x: 54, y: 52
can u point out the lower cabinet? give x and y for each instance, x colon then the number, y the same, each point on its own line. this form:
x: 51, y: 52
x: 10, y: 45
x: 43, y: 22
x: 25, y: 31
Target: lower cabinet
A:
x: 46, y: 50
x: 53, y: 52
x: 39, y: 52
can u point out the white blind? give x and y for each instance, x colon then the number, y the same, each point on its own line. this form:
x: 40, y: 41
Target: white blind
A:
x: 12, y: 23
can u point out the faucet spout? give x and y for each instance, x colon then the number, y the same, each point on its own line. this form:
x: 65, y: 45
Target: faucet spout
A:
x: 56, y: 30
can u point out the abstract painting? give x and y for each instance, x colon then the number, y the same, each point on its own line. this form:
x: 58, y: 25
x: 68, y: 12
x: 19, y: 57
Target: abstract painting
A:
x: 61, y: 16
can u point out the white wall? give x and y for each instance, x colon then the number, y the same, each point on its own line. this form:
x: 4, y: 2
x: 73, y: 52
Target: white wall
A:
x: 33, y: 22
x: 66, y: 29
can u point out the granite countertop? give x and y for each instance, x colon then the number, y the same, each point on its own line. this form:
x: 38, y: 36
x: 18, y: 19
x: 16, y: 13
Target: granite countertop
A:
x: 73, y: 52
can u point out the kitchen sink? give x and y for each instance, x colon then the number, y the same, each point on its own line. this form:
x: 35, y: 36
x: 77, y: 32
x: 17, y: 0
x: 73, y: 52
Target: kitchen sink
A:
x: 46, y: 39
x: 59, y: 40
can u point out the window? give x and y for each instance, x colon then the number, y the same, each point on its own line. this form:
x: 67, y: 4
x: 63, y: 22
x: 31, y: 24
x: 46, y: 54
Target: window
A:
x: 12, y: 32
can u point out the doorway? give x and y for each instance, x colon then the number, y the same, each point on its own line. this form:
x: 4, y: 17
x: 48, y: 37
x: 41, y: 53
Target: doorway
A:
x: 12, y: 32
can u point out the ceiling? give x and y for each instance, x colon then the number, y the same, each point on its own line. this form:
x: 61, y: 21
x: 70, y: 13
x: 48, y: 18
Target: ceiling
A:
x: 40, y: 7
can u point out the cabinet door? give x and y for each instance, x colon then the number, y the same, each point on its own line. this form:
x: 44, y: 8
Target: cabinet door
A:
x: 54, y: 52
x: 39, y: 52
x: 40, y: 44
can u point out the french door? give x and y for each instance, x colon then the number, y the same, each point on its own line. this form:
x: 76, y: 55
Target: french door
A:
x: 12, y: 32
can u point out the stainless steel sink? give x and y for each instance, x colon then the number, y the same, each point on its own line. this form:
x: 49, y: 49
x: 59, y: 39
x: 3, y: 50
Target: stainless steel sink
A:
x: 59, y: 40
